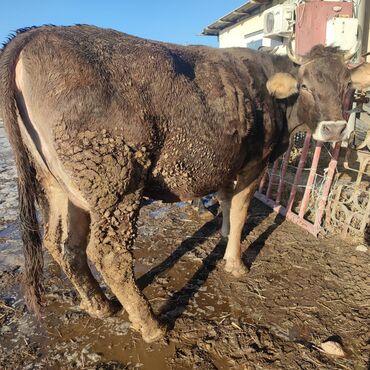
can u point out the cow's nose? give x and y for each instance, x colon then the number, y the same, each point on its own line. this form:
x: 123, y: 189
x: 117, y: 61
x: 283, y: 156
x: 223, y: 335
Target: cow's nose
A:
x: 333, y: 130
x: 336, y: 127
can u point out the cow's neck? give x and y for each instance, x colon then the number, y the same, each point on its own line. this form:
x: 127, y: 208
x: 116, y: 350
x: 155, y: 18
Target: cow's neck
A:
x: 292, y: 116
x: 285, y: 65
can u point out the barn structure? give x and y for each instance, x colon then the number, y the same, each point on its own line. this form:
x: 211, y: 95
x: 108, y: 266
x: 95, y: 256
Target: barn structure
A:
x: 321, y: 188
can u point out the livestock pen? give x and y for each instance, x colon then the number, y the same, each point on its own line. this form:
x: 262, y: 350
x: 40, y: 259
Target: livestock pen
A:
x: 321, y: 187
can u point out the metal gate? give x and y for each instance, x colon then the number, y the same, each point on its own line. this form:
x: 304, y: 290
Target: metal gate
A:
x: 275, y: 183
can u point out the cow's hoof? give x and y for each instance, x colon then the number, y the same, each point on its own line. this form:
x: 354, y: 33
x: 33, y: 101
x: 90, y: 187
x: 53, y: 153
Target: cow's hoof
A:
x: 236, y: 268
x: 102, y: 310
x: 152, y: 334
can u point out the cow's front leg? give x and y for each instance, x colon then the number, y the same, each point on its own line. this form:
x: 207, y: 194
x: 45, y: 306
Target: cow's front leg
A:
x: 243, y: 193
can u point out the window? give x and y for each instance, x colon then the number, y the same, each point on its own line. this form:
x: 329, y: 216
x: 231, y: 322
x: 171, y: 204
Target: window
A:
x: 254, y: 44
x: 254, y: 40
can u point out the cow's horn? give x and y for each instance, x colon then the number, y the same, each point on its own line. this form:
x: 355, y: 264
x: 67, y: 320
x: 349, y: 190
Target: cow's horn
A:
x: 297, y: 59
x: 350, y: 53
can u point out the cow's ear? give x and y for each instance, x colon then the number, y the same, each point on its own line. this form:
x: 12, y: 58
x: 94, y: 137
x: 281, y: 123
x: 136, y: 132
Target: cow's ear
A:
x: 281, y: 85
x: 360, y: 77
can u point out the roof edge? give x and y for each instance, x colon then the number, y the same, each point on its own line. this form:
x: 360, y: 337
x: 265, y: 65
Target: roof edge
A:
x: 233, y: 17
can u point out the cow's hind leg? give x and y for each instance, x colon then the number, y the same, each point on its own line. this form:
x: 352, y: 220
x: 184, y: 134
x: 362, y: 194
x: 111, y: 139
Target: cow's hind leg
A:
x: 224, y: 196
x: 66, y: 236
x: 113, y: 232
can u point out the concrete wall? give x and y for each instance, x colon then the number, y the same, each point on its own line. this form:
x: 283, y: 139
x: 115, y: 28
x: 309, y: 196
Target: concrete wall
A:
x: 236, y: 34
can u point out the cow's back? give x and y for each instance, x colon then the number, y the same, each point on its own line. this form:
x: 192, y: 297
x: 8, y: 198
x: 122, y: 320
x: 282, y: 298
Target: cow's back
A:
x: 199, y: 112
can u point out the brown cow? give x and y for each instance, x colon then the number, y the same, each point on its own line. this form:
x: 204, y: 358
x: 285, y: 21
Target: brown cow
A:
x: 97, y: 119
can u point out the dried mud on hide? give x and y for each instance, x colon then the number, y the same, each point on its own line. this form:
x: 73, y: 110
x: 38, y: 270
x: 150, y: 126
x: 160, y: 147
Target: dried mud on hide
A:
x: 300, y: 292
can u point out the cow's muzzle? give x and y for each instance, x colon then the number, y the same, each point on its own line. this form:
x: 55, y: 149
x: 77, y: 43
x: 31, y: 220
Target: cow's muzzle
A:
x: 331, y: 131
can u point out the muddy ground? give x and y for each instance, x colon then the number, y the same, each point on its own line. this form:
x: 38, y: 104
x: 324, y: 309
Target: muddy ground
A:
x: 300, y: 291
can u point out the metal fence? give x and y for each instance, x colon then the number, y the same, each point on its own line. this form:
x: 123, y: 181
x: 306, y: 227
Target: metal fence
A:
x: 306, y: 187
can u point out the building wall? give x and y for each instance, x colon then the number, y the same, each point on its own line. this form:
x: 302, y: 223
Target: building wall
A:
x: 247, y: 31
x: 235, y: 35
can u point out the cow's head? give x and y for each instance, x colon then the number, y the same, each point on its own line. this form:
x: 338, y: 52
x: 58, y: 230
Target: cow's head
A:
x: 321, y: 85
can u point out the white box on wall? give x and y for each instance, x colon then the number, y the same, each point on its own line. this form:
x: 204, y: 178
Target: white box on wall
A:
x: 341, y: 32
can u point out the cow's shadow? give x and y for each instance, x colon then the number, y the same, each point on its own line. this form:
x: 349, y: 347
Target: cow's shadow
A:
x: 197, y: 239
x: 177, y: 303
x: 254, y: 249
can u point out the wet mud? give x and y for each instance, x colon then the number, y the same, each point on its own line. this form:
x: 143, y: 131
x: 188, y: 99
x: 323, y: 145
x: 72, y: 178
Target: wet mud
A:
x: 299, y: 292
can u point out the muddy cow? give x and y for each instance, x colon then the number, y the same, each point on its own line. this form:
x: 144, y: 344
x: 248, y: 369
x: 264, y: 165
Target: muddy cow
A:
x: 97, y: 119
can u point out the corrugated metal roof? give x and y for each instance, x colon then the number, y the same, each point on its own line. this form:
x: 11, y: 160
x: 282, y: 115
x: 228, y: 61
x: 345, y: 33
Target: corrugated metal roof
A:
x: 233, y: 17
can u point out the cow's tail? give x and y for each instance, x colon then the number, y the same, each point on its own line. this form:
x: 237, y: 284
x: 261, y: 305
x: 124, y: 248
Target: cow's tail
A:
x: 32, y: 245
